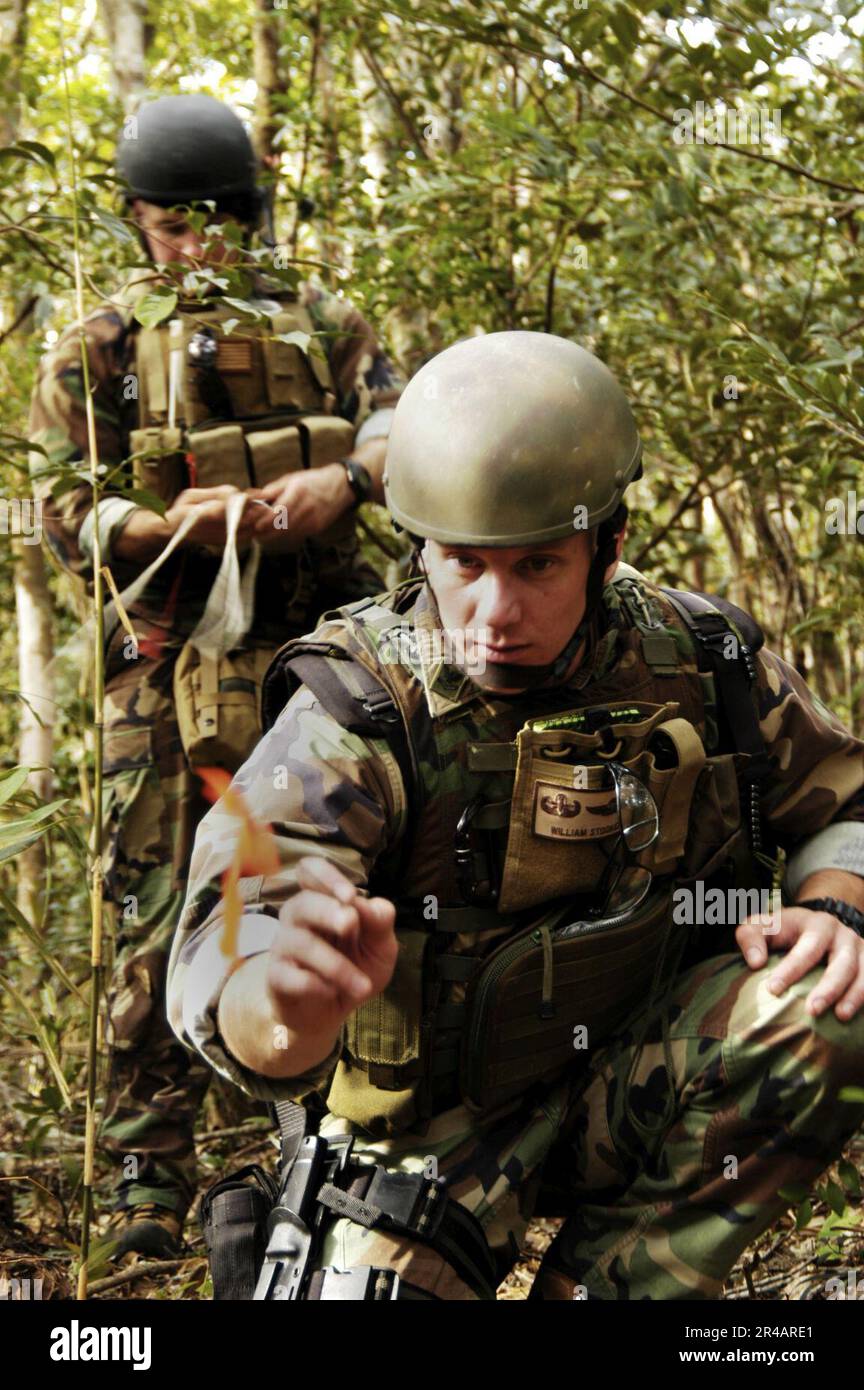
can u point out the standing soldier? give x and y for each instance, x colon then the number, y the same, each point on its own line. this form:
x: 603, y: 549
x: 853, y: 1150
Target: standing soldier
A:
x: 512, y: 785
x: 248, y: 433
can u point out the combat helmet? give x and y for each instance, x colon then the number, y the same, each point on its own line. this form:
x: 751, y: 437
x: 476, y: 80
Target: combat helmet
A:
x: 183, y: 149
x: 511, y: 439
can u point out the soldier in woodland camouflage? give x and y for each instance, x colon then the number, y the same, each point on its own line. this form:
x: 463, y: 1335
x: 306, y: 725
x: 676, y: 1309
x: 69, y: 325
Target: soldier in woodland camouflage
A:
x: 189, y: 148
x: 715, y: 1078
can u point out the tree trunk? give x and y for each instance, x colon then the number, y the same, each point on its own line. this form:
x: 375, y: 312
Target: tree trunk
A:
x: 128, y: 37
x: 13, y: 40
x: 35, y: 681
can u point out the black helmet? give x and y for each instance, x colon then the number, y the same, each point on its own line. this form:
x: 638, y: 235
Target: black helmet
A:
x: 184, y: 149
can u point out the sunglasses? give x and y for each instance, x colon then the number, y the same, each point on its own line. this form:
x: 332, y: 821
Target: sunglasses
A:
x: 624, y: 885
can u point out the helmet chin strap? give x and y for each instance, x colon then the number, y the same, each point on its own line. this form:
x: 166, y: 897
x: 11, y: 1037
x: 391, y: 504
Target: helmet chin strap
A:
x: 510, y: 675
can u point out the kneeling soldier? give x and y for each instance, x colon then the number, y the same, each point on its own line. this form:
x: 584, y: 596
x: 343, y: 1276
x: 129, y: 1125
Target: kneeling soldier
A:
x: 503, y: 795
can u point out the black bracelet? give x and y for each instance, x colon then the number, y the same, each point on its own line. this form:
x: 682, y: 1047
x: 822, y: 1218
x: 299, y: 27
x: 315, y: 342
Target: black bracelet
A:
x: 844, y: 912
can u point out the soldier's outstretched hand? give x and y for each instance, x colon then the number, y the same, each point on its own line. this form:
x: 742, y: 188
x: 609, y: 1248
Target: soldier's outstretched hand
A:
x: 334, y: 950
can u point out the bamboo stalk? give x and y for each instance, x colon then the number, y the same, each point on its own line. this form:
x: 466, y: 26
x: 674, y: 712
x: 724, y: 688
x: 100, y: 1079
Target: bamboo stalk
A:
x: 96, y: 880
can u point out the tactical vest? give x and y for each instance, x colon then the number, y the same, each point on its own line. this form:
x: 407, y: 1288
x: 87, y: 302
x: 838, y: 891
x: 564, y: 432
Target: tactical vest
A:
x: 510, y: 815
x: 263, y: 407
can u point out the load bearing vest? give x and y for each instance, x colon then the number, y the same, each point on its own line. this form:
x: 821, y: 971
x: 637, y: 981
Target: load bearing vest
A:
x: 257, y: 403
x: 489, y: 985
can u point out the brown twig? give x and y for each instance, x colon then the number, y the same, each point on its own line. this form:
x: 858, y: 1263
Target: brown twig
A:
x: 141, y: 1271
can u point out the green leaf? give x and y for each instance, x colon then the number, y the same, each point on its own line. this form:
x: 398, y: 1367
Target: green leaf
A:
x: 142, y: 498
x: 31, y: 150
x: 850, y: 1177
x: 835, y: 1197
x: 793, y: 1192
x: 155, y: 307
x: 10, y: 851
x: 35, y: 938
x: 247, y: 310
x: 625, y: 28
x: 803, y: 1215
x: 114, y: 225
x: 851, y: 1093
x: 296, y: 339
x: 23, y: 825
x: 11, y: 782
x: 40, y: 1033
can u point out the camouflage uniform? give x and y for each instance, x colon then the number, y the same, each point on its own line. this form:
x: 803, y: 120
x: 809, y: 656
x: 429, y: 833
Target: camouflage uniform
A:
x: 634, y: 1145
x: 152, y: 800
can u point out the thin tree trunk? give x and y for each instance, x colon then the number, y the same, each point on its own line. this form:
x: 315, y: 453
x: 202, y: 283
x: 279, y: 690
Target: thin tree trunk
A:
x: 13, y: 42
x: 36, y: 740
x: 129, y: 38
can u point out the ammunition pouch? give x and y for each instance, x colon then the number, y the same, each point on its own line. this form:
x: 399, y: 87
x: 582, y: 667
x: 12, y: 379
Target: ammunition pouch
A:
x: 218, y: 704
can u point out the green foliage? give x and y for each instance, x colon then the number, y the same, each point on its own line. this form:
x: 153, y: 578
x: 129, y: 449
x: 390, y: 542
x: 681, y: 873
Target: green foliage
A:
x: 468, y: 168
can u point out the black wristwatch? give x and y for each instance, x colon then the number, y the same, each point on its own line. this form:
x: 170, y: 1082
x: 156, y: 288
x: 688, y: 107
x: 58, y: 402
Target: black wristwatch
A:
x: 359, y: 481
x: 844, y: 912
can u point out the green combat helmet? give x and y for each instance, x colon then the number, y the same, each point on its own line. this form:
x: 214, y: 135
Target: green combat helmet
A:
x: 512, y: 439
x: 183, y: 149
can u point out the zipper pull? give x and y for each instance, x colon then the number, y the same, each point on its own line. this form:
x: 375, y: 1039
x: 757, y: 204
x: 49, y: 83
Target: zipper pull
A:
x: 546, y: 1007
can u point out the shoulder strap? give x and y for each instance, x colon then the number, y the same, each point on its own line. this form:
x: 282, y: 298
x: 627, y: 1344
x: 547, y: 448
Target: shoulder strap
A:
x: 347, y: 690
x: 713, y: 621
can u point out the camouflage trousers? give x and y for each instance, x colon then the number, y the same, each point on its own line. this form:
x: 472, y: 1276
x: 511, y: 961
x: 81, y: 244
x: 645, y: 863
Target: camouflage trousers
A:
x: 151, y: 806
x: 667, y: 1159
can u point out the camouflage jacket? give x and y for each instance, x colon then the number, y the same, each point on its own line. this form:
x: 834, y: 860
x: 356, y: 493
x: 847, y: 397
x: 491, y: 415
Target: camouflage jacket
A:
x: 365, y: 382
x: 331, y: 792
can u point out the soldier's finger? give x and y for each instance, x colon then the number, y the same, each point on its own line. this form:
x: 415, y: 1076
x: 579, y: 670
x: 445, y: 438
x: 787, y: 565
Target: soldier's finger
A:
x: 840, y: 973
x: 377, y: 916
x: 320, y: 912
x: 311, y: 952
x: 764, y: 932
x: 206, y: 494
x: 323, y: 876
x: 807, y: 952
x: 854, y: 996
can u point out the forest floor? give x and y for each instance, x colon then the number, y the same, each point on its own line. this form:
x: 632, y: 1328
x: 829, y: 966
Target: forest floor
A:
x: 40, y: 1213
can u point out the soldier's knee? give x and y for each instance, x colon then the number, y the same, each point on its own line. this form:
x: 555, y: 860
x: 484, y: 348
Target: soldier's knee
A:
x: 832, y: 1046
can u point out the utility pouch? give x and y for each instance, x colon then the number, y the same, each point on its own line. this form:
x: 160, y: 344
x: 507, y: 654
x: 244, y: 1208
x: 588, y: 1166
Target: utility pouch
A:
x: 384, y: 1034
x: 275, y: 452
x: 159, y: 461
x: 218, y: 704
x: 564, y: 806
x: 552, y: 995
x: 218, y: 455
x: 233, y: 1218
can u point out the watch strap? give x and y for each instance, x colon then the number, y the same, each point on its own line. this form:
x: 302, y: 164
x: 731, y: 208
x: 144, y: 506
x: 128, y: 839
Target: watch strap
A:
x: 359, y: 480
x: 844, y: 912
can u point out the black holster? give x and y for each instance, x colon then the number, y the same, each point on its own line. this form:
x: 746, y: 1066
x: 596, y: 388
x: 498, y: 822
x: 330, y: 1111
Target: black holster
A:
x: 233, y: 1218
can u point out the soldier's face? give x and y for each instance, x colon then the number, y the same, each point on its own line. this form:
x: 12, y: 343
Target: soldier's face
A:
x: 171, y: 238
x: 518, y: 605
